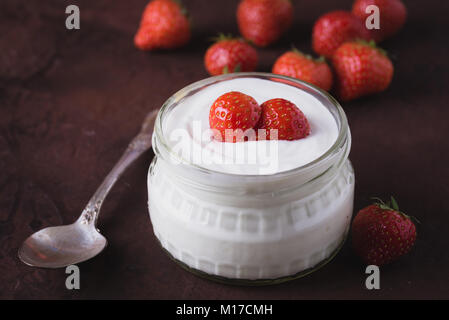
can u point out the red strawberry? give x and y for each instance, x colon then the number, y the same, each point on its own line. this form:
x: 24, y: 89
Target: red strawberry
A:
x: 264, y: 21
x: 392, y: 16
x: 232, y: 111
x: 298, y: 65
x: 335, y: 28
x: 285, y: 117
x: 164, y: 25
x: 361, y: 69
x: 381, y: 234
x: 230, y: 55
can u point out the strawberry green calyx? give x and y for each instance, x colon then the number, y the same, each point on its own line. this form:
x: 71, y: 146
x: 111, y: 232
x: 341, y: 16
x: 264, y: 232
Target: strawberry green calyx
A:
x: 389, y: 205
x: 372, y: 44
x: 222, y: 36
x: 236, y: 69
x: 320, y: 59
x: 182, y: 8
x: 227, y: 37
x: 184, y: 11
x: 393, y: 206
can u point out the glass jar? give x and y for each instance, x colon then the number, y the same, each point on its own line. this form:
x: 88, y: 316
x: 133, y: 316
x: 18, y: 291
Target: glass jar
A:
x: 251, y: 229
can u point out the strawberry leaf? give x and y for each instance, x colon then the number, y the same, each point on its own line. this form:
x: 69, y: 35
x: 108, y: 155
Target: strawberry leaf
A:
x: 308, y: 56
x: 371, y: 44
x: 394, y: 204
x: 182, y: 8
x: 321, y: 59
x: 222, y: 37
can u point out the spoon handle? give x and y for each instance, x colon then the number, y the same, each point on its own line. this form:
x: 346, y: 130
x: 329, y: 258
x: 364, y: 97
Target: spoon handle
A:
x: 140, y: 144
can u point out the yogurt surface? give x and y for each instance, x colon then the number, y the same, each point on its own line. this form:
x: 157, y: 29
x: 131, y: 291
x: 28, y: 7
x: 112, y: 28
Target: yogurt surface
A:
x: 188, y: 135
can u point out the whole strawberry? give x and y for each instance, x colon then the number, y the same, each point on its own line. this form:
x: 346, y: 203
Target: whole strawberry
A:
x: 264, y: 21
x: 392, y: 16
x: 298, y: 65
x: 381, y: 233
x: 335, y: 28
x: 361, y: 69
x: 229, y: 55
x: 232, y: 114
x: 164, y: 25
x: 285, y: 117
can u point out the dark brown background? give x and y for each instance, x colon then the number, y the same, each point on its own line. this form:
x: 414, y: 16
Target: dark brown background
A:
x: 71, y: 100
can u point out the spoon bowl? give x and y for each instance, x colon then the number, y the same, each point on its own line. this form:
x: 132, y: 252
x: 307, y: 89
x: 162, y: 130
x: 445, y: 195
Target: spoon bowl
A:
x: 56, y: 247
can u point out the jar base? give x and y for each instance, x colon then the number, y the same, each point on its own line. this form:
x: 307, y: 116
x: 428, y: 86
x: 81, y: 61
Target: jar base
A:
x: 254, y: 282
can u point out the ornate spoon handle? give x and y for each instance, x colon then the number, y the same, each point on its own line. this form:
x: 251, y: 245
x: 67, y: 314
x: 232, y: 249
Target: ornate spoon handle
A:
x: 140, y: 144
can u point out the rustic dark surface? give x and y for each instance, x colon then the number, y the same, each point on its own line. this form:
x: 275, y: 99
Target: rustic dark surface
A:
x: 71, y: 100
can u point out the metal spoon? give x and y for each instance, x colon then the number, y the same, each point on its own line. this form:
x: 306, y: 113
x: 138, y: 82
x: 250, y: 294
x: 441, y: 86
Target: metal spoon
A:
x: 57, y: 247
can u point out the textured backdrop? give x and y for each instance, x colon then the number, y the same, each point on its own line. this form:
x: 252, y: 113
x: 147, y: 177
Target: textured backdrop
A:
x: 70, y: 100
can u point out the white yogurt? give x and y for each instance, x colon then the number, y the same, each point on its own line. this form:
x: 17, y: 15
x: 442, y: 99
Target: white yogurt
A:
x: 252, y: 227
x: 252, y: 157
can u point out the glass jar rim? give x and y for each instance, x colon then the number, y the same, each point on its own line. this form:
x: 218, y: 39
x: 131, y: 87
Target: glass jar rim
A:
x: 343, y: 130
